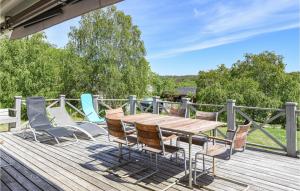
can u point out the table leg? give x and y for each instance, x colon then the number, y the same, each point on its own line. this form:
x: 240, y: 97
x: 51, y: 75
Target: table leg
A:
x: 214, y: 166
x: 190, y: 162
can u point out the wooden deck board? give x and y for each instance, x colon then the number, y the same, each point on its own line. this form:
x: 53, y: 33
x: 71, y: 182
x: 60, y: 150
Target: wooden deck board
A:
x: 37, y: 166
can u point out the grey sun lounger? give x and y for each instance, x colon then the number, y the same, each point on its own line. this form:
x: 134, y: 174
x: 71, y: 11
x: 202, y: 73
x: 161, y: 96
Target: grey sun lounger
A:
x: 62, y: 118
x: 39, y: 122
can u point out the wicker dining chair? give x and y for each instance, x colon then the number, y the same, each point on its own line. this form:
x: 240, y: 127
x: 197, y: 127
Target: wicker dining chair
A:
x: 151, y: 139
x: 118, y: 133
x: 223, y: 149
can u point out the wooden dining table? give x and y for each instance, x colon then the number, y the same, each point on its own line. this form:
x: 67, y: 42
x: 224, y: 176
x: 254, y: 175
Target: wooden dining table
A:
x: 185, y: 126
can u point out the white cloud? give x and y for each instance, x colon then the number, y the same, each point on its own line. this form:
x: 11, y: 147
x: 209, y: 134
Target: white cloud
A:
x: 226, y: 22
x: 219, y: 41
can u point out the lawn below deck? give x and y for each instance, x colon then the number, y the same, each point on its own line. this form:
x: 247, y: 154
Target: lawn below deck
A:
x: 37, y: 166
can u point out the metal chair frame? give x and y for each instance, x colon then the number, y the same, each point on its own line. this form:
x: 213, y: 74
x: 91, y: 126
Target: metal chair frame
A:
x: 163, y: 153
x: 227, y: 142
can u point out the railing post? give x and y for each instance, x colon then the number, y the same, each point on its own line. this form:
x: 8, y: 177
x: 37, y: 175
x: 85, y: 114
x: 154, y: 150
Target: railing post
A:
x: 155, y: 106
x: 132, y: 104
x: 185, y: 105
x: 95, y: 103
x: 18, y: 110
x: 62, y: 101
x: 230, y: 114
x: 291, y: 128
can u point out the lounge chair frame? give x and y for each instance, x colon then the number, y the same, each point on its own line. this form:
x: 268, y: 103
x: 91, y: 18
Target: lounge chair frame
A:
x: 46, y: 120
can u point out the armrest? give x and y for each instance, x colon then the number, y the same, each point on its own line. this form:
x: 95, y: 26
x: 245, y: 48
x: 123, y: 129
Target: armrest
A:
x: 12, y: 109
x: 226, y: 141
x: 169, y: 137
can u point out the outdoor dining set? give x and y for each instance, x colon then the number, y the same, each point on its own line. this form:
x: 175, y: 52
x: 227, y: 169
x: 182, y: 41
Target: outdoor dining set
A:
x: 153, y: 135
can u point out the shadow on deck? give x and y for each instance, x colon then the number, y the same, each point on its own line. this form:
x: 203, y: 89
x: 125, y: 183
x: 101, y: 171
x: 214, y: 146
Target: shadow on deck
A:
x: 80, y: 166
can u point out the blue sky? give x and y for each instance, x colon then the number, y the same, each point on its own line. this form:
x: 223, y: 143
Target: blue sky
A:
x: 183, y: 37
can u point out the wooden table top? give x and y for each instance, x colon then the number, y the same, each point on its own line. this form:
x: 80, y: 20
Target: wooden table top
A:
x: 173, y: 123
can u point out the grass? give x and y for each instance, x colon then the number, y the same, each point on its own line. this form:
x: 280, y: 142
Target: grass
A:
x: 258, y: 137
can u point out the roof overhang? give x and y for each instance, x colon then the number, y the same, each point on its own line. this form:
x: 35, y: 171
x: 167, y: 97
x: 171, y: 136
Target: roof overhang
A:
x: 20, y: 18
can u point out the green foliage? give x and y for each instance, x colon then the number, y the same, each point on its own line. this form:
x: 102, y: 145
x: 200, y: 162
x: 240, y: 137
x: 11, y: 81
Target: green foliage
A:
x: 104, y: 55
x: 28, y: 67
x: 113, y: 53
x: 259, y: 80
x: 169, y: 84
x: 161, y: 85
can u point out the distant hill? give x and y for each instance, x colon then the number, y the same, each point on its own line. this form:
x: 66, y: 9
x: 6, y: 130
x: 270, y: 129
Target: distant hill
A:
x: 189, y: 80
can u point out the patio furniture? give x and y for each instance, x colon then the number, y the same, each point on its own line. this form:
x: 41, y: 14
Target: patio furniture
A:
x: 115, y: 113
x: 179, y: 112
x: 88, y: 109
x: 185, y: 126
x: 152, y: 141
x: 200, y: 140
x: 118, y: 133
x: 61, y: 117
x: 39, y: 122
x: 222, y: 150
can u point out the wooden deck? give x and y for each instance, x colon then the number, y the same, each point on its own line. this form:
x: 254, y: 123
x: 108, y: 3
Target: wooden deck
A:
x: 37, y: 166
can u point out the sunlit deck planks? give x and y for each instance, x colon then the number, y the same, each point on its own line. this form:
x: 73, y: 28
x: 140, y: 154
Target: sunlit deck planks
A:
x: 37, y: 166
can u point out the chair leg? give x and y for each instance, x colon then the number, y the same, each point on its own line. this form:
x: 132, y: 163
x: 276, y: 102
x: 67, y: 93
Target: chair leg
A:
x: 195, y: 170
x: 204, y: 170
x: 34, y: 135
x: 203, y: 158
x: 151, y: 174
x: 75, y: 138
x: 184, y: 158
x: 56, y: 140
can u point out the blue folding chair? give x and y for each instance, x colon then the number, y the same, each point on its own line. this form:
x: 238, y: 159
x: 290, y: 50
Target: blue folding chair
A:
x: 88, y: 109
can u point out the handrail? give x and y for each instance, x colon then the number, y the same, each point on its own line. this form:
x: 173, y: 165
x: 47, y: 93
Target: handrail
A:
x: 170, y: 102
x: 24, y: 100
x: 206, y: 104
x: 100, y: 99
x: 260, y: 108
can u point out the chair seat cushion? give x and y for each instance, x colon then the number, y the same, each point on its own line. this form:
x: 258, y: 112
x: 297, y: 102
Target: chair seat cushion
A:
x: 195, y: 140
x: 92, y: 129
x: 59, y: 132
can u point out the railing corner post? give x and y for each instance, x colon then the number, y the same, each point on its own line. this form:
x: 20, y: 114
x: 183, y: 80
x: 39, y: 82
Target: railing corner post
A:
x: 186, y: 106
x: 18, y: 110
x: 62, y: 101
x: 230, y: 110
x: 155, y: 106
x: 291, y: 128
x: 95, y: 103
x: 132, y: 104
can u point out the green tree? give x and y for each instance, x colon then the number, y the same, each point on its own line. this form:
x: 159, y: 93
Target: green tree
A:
x: 258, y: 80
x: 26, y: 68
x: 113, y: 53
x: 162, y: 85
